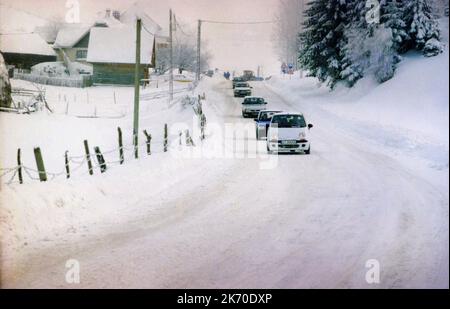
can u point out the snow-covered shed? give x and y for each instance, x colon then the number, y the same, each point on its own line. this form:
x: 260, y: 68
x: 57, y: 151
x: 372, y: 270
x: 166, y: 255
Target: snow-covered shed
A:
x: 112, y: 52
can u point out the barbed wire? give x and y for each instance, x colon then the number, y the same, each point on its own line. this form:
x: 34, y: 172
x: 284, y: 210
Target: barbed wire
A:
x: 33, y: 174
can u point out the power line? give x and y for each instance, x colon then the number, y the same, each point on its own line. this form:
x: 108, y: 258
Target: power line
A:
x: 148, y: 31
x: 24, y: 33
x: 181, y: 29
x: 241, y: 23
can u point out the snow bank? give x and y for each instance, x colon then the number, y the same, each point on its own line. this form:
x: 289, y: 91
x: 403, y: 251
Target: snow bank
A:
x: 57, y: 68
x: 35, y: 214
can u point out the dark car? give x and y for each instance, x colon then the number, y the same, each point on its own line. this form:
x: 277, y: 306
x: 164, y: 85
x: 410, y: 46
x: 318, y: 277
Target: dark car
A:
x: 263, y: 122
x: 237, y: 80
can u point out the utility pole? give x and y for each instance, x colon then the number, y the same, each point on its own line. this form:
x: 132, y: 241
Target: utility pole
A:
x: 171, y: 56
x: 137, y: 78
x: 199, y: 42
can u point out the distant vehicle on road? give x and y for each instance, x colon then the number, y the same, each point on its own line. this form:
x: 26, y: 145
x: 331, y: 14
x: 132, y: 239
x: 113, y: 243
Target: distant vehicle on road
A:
x: 242, y: 89
x: 252, y: 106
x: 210, y: 73
x: 288, y: 133
x: 263, y: 122
x: 237, y: 80
x: 248, y: 75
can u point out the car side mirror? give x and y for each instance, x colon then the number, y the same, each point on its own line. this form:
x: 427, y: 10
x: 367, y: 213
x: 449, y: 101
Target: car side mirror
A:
x: 310, y: 126
x: 256, y: 120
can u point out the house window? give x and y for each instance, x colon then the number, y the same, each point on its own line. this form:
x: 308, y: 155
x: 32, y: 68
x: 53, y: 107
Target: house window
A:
x: 162, y: 45
x: 81, y: 54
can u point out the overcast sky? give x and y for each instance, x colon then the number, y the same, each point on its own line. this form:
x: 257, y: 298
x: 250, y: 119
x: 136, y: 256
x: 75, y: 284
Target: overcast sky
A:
x: 232, y: 46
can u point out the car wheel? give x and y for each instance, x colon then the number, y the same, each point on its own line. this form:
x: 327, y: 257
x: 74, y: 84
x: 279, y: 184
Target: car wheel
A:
x: 308, y: 151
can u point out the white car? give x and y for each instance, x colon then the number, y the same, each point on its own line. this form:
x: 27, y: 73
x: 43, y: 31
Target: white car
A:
x: 288, y: 133
x: 242, y: 89
x: 252, y: 106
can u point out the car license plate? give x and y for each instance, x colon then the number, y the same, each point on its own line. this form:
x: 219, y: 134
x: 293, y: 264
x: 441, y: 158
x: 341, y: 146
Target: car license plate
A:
x: 288, y: 142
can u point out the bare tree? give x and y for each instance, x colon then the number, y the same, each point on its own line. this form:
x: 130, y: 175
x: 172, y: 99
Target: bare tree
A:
x: 286, y: 31
x: 5, y: 85
x: 184, y: 53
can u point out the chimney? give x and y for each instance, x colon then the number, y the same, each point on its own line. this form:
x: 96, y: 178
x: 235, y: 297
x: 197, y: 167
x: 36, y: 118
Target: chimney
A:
x: 116, y: 14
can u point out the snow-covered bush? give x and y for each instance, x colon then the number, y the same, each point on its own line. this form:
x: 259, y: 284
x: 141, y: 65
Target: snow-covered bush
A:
x: 433, y: 48
x: 188, y: 101
x: 369, y: 51
x: 5, y: 85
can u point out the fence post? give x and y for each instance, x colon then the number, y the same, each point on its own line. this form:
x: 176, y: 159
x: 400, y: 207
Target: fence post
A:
x: 203, y: 124
x: 88, y: 157
x: 149, y: 140
x: 100, y: 159
x: 19, y: 164
x: 136, y: 146
x: 40, y: 164
x: 66, y: 161
x: 166, y: 137
x: 122, y: 158
x: 189, y: 140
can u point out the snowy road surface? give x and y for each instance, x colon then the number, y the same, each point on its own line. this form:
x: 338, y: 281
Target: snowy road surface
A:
x: 311, y: 222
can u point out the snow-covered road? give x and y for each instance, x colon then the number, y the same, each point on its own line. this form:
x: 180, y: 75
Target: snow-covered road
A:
x: 311, y: 222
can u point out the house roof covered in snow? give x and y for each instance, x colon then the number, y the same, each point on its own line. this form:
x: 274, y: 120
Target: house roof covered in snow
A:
x: 28, y: 43
x: 20, y: 32
x: 15, y: 20
x: 71, y: 34
x: 117, y: 45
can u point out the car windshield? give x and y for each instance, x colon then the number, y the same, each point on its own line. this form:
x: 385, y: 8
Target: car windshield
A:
x: 289, y: 121
x: 254, y: 101
x: 266, y: 116
x: 242, y: 85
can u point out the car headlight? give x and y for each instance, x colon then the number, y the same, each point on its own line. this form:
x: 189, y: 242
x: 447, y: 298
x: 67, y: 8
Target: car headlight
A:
x: 273, y: 138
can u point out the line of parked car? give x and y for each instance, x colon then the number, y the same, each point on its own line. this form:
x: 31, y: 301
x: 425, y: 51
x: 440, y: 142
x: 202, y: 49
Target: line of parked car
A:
x: 284, y: 132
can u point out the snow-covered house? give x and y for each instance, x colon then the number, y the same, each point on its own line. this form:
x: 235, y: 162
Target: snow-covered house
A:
x: 20, y: 44
x: 112, y: 52
x: 72, y: 41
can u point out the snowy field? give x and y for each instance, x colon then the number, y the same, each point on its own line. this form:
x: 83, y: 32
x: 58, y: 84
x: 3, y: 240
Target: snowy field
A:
x: 374, y: 187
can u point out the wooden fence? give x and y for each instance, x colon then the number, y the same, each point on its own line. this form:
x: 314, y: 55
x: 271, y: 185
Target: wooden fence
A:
x: 81, y: 81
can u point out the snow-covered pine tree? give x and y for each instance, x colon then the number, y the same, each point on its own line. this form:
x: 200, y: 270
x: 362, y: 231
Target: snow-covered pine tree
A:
x: 421, y: 23
x: 322, y: 40
x: 392, y: 14
x: 371, y: 47
x: 354, y: 57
